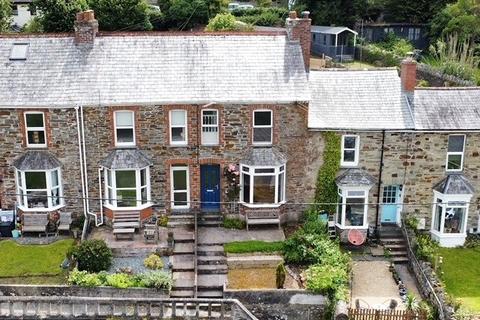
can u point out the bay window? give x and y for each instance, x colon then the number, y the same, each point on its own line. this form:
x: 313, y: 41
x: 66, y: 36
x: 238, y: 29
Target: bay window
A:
x: 262, y: 186
x: 352, y: 208
x: 180, y: 187
x: 127, y: 188
x: 449, y: 218
x: 39, y: 190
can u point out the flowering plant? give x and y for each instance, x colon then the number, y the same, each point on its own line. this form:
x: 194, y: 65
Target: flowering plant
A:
x: 232, y: 174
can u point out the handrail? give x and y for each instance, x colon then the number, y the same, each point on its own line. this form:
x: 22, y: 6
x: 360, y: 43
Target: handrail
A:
x: 195, y: 254
x: 24, y: 305
x: 415, y: 260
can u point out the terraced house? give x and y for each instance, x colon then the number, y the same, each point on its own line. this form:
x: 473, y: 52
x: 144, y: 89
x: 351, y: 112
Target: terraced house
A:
x: 107, y: 123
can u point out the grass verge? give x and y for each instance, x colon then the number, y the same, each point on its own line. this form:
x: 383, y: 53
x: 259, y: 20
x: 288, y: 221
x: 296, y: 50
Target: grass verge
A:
x: 461, y: 272
x: 32, y: 260
x: 253, y: 246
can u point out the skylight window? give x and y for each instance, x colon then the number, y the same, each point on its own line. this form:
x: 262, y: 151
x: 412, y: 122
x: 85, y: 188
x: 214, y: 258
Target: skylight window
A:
x: 19, y: 51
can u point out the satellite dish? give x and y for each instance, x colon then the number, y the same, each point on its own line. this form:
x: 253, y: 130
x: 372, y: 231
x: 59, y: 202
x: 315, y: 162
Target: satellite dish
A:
x: 356, y: 237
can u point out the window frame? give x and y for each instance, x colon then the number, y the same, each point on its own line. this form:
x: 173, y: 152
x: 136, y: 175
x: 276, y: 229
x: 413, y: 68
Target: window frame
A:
x: 22, y: 191
x: 217, y: 126
x: 34, y: 129
x: 280, y: 190
x: 456, y: 153
x: 111, y: 202
x: 356, y: 149
x: 174, y: 168
x: 262, y: 143
x: 117, y: 127
x: 343, y: 193
x: 185, y: 127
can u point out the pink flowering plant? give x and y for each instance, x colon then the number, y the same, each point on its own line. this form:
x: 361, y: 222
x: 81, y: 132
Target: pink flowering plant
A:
x: 232, y: 173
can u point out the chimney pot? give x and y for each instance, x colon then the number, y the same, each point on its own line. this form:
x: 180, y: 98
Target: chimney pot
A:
x: 305, y: 14
x: 292, y: 14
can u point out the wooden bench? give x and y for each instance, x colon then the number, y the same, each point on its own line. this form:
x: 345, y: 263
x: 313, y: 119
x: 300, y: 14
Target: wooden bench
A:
x: 65, y: 221
x: 35, y: 222
x: 125, y: 223
x: 262, y: 217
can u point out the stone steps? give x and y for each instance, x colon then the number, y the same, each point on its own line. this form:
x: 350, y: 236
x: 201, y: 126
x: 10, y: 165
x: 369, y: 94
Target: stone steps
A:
x: 213, y: 260
x: 183, y: 248
x: 210, y: 250
x: 212, y: 269
x: 206, y: 282
x: 181, y: 293
x: 210, y: 219
x: 210, y: 294
x: 183, y: 262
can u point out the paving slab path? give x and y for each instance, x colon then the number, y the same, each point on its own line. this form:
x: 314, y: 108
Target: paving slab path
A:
x: 222, y: 235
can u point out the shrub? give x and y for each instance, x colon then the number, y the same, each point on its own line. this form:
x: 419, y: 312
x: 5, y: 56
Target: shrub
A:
x: 157, y: 280
x: 326, y: 279
x: 472, y: 241
x: 93, y: 256
x: 84, y: 279
x: 411, y: 222
x: 273, y: 17
x: 280, y: 275
x: 120, y: 280
x: 153, y: 262
x: 233, y: 223
x: 426, y: 248
x: 162, y: 221
x: 222, y: 22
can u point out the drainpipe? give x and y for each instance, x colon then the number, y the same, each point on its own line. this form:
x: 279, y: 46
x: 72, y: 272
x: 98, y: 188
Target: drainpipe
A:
x: 80, y: 156
x: 379, y: 185
x: 100, y: 198
x: 97, y: 222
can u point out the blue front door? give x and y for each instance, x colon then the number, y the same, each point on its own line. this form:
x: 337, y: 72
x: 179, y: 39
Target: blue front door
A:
x: 390, y: 204
x: 210, y: 187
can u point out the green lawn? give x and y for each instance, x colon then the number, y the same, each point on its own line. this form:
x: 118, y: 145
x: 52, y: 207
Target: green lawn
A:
x: 32, y: 260
x: 253, y: 246
x: 461, y: 275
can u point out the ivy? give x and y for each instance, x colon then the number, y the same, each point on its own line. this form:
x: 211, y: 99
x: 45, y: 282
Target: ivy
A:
x: 326, y: 189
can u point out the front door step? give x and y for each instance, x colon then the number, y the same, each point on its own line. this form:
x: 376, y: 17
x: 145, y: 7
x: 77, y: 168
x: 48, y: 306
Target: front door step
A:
x: 183, y: 248
x: 212, y: 269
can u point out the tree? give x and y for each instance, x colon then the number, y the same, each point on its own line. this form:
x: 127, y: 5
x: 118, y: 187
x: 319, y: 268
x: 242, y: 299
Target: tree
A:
x: 334, y: 12
x: 415, y: 11
x: 186, y: 14
x: 263, y: 3
x: 222, y: 22
x: 5, y: 15
x: 59, y: 15
x: 461, y: 18
x: 113, y: 15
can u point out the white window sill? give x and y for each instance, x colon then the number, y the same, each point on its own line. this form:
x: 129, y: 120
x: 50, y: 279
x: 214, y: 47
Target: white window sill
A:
x: 36, y: 146
x: 267, y: 205
x: 40, y: 209
x: 262, y: 144
x: 113, y: 208
x: 449, y: 240
x: 351, y: 227
x: 348, y: 165
x: 128, y: 145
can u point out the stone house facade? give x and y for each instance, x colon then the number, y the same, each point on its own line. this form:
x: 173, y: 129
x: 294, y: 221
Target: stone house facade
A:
x: 405, y: 150
x: 159, y: 134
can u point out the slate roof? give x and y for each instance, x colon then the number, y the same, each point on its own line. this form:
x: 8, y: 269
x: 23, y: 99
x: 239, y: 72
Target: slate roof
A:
x: 37, y: 160
x: 355, y: 177
x: 153, y: 69
x: 331, y: 30
x: 358, y: 99
x: 454, y: 184
x: 447, y: 108
x: 126, y: 159
x: 264, y: 157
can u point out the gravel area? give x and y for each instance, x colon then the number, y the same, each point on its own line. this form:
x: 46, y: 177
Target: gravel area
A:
x: 135, y: 263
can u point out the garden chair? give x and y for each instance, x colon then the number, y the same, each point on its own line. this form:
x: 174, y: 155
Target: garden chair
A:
x: 150, y: 233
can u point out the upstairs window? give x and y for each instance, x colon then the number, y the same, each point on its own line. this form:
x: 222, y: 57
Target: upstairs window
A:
x: 35, y: 129
x: 210, y: 127
x: 262, y: 127
x: 178, y: 127
x: 350, y: 150
x: 124, y: 128
x: 455, y: 152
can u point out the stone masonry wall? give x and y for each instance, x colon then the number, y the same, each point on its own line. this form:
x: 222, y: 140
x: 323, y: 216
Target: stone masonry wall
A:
x: 152, y: 130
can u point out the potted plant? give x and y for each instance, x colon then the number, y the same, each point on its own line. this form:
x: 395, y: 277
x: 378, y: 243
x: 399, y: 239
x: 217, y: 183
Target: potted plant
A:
x: 17, y: 231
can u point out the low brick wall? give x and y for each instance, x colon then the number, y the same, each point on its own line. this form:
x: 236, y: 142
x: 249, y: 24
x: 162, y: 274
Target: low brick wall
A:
x: 280, y: 304
x: 32, y: 290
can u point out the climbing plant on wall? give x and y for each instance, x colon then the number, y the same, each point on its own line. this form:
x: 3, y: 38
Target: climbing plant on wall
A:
x: 326, y: 189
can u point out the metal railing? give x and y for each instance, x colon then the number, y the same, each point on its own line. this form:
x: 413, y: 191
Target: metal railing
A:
x: 34, y: 307
x: 416, y: 265
x: 195, y: 253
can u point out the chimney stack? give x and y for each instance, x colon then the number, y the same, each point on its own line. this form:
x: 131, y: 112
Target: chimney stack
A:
x: 298, y: 29
x: 408, y: 74
x: 86, y: 28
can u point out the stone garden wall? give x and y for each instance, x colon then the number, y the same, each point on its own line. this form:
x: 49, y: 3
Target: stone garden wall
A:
x: 437, y: 79
x: 280, y: 304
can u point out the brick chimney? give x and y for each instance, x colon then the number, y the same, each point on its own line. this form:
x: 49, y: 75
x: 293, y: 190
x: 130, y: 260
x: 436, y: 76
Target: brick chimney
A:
x: 86, y: 27
x: 408, y: 74
x: 298, y: 29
